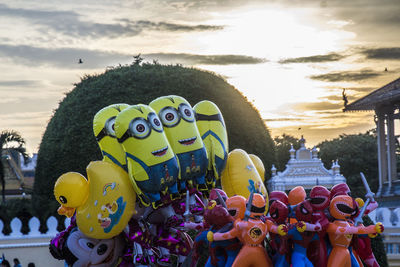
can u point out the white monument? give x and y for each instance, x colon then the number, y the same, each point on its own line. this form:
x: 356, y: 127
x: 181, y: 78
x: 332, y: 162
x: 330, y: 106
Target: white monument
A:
x: 306, y: 169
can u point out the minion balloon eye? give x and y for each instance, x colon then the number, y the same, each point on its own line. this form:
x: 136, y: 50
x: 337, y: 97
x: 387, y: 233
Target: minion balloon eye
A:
x: 186, y: 112
x: 140, y: 128
x: 110, y: 126
x: 169, y: 116
x: 155, y: 122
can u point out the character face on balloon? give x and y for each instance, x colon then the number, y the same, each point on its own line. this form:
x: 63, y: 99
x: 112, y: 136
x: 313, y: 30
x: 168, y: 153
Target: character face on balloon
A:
x: 84, y: 251
x: 342, y: 207
x: 236, y: 206
x: 103, y: 128
x: 319, y: 197
x: 296, y: 195
x: 278, y: 195
x: 279, y: 212
x: 257, y: 206
x: 177, y: 116
x: 304, y: 211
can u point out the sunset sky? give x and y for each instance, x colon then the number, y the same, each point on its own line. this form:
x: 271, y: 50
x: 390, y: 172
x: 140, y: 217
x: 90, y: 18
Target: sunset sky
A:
x: 290, y: 58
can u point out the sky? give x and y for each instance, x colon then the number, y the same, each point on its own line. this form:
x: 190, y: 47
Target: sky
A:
x: 290, y: 58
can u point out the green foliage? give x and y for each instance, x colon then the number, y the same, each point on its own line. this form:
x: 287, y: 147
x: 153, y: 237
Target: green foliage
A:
x: 377, y: 245
x: 356, y: 153
x: 68, y: 143
x: 282, y: 146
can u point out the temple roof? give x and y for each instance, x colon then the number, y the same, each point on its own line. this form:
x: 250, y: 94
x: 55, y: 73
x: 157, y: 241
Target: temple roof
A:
x: 388, y: 95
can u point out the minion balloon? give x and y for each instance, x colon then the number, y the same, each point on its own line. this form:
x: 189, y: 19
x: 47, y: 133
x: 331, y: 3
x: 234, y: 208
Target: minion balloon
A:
x: 178, y: 119
x: 152, y: 165
x: 103, y: 128
x: 212, y: 129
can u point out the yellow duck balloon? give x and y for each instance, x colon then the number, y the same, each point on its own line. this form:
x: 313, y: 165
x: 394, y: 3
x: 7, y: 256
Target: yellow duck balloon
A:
x: 237, y: 173
x: 152, y: 165
x: 104, y: 202
x: 178, y: 119
x: 212, y: 130
x: 103, y: 128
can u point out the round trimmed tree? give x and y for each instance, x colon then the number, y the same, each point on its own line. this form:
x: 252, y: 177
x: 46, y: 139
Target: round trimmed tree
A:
x: 68, y: 143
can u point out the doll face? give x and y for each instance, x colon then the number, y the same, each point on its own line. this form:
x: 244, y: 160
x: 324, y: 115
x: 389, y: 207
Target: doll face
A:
x: 304, y: 211
x: 93, y: 252
x: 342, y: 207
x: 319, y: 197
x: 257, y: 206
x: 236, y: 206
x: 279, y: 212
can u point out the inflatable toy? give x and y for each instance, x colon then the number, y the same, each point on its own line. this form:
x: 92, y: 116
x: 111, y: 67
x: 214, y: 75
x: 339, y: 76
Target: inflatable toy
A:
x: 301, y: 239
x: 278, y: 195
x: 251, y: 232
x: 153, y: 167
x: 104, y: 202
x: 340, y: 231
x: 178, y: 119
x: 259, y: 165
x: 237, y: 173
x: 213, y: 132
x: 319, y: 199
x: 296, y: 195
x: 279, y: 213
x: 84, y: 251
x: 103, y: 128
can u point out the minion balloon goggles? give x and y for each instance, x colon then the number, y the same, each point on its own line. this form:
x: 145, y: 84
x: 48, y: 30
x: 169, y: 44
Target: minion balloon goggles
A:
x: 108, y: 129
x: 171, y: 116
x: 204, y: 117
x: 140, y: 128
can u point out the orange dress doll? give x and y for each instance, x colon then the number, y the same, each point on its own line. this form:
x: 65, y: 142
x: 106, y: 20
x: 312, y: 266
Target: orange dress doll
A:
x: 251, y: 233
x: 341, y: 232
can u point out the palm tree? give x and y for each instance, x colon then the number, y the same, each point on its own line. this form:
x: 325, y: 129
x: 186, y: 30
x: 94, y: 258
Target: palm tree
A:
x: 10, y: 140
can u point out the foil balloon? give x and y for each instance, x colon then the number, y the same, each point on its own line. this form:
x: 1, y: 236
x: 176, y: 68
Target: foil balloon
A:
x: 259, y: 165
x: 104, y: 202
x: 239, y: 170
x: 103, y: 129
x: 152, y: 165
x: 81, y: 251
x: 213, y: 132
x: 178, y: 119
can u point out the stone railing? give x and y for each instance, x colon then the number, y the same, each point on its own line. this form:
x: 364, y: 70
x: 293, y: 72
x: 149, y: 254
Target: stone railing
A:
x: 32, y: 246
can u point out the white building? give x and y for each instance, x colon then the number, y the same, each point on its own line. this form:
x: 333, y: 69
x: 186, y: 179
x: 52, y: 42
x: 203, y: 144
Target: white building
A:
x: 306, y: 169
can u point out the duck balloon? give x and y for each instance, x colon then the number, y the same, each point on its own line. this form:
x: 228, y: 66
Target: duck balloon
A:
x: 103, y: 203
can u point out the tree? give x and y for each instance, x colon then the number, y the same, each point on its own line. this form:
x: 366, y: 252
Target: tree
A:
x: 356, y: 153
x: 68, y: 143
x: 11, y: 141
x: 282, y: 146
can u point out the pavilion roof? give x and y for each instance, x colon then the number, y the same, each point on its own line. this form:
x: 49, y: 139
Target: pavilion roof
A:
x: 388, y: 95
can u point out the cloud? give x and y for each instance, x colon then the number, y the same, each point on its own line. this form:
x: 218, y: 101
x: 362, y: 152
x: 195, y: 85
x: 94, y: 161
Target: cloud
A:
x: 68, y: 57
x: 20, y: 83
x: 313, y: 59
x: 61, y: 57
x: 194, y: 59
x: 310, y: 106
x: 386, y: 53
x: 348, y: 76
x: 71, y: 23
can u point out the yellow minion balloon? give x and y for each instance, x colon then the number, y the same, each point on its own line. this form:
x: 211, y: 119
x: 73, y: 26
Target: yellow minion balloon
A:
x: 212, y: 130
x: 104, y: 202
x: 152, y: 164
x: 239, y: 170
x: 103, y: 128
x: 178, y: 119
